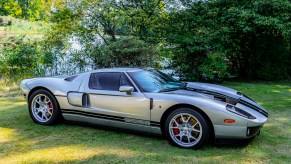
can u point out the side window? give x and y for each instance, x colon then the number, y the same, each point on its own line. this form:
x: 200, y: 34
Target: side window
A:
x: 125, y: 81
x: 105, y: 81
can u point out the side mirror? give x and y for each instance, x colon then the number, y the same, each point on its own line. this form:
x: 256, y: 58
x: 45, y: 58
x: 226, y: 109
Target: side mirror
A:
x: 126, y: 88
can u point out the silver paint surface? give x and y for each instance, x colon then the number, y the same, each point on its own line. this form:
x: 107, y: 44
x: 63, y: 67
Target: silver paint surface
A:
x: 137, y: 105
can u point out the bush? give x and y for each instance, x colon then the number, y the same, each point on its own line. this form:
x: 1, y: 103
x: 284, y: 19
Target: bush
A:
x: 19, y: 59
x: 254, y: 36
x: 130, y: 51
x: 213, y: 68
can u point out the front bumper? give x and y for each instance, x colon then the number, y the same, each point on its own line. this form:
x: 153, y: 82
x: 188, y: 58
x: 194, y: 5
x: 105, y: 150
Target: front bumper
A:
x: 246, y: 127
x: 235, y: 132
x: 25, y: 90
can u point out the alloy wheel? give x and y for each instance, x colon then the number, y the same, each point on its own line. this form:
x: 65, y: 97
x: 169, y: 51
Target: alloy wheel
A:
x: 42, y: 108
x: 185, y: 129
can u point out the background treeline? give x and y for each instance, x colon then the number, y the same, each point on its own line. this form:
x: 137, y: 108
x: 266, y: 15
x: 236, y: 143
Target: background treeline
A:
x: 200, y: 40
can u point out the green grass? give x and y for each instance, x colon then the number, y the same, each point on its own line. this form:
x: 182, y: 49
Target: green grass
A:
x: 22, y: 141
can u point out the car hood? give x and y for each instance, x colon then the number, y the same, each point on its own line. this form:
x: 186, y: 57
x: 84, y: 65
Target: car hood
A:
x: 208, y: 90
x: 220, y: 93
x: 211, y: 87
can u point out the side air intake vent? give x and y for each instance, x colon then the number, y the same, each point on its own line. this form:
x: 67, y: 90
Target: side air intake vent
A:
x: 71, y: 78
x: 85, y: 100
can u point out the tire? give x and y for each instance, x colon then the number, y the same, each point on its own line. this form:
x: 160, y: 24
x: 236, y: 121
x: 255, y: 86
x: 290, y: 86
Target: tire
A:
x: 187, y: 128
x: 43, y: 107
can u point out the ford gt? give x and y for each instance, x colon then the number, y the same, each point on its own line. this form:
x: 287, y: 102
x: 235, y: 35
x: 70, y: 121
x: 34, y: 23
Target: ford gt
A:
x: 145, y: 100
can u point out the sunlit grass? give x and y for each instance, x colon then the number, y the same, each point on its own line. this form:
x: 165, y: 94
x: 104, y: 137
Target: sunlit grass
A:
x: 22, y: 141
x: 6, y: 135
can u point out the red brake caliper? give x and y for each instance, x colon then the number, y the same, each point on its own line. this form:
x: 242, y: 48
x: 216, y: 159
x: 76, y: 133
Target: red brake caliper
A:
x: 51, y: 107
x: 175, y: 130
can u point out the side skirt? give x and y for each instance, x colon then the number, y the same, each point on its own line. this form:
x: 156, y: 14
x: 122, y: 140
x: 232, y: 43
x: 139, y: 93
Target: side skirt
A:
x: 110, y: 122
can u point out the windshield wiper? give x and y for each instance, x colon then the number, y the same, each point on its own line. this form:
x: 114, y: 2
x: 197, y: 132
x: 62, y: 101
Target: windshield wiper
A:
x: 170, y: 89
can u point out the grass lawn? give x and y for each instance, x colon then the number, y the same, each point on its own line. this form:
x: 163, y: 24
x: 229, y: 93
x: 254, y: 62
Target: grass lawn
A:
x: 22, y: 141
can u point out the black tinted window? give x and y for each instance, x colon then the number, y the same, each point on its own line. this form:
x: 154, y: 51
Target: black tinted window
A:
x: 105, y: 81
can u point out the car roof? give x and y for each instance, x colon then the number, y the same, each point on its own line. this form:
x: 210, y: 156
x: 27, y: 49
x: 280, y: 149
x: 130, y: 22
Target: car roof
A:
x: 122, y: 69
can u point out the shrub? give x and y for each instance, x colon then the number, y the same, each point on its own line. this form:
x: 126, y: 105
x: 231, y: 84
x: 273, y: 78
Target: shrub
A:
x: 254, y: 36
x: 19, y: 59
x: 213, y: 68
x: 130, y: 51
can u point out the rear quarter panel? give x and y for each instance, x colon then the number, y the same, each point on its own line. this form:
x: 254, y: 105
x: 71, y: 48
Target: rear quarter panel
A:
x: 58, y: 86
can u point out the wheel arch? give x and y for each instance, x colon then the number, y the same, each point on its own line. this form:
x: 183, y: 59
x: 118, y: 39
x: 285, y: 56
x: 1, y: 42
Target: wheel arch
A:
x: 38, y: 88
x: 59, y: 117
x: 177, y: 106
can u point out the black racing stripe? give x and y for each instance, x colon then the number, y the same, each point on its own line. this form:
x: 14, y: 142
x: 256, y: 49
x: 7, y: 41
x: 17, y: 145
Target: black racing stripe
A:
x: 92, y: 114
x: 220, y: 95
x: 253, y: 107
x: 211, y: 93
x: 153, y: 123
x: 108, y: 94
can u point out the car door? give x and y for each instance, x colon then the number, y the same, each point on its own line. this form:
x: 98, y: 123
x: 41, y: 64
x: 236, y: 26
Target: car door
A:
x: 106, y: 99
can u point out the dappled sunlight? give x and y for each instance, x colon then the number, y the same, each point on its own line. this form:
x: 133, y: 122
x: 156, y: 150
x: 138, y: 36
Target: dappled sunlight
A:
x: 282, y: 119
x: 275, y: 91
x: 12, y: 100
x: 6, y: 135
x: 270, y: 124
x: 26, y: 143
x: 64, y: 154
x: 12, y: 104
x: 282, y: 86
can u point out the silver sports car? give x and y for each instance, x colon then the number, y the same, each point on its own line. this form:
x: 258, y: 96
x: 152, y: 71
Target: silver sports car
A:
x: 145, y: 100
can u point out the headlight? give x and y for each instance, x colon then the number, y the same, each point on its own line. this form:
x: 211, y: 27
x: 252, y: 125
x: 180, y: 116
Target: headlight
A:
x: 239, y: 111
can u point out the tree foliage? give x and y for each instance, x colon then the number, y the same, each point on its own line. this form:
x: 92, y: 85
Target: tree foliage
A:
x: 204, y: 40
x: 10, y: 7
x: 253, y: 35
x: 29, y: 9
x: 20, y: 59
x: 111, y: 33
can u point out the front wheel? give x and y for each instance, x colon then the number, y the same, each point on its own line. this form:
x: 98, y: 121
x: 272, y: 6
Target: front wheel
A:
x: 43, y: 107
x: 187, y: 128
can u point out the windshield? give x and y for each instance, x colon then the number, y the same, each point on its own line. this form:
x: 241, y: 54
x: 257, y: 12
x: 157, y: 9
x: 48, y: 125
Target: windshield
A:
x: 155, y: 81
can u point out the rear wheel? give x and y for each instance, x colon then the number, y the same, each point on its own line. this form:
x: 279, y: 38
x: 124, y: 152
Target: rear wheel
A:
x: 187, y: 128
x: 43, y: 107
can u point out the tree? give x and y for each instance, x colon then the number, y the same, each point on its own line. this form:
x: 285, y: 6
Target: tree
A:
x: 111, y: 33
x: 32, y: 10
x: 10, y: 7
x: 254, y: 36
x: 20, y: 59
